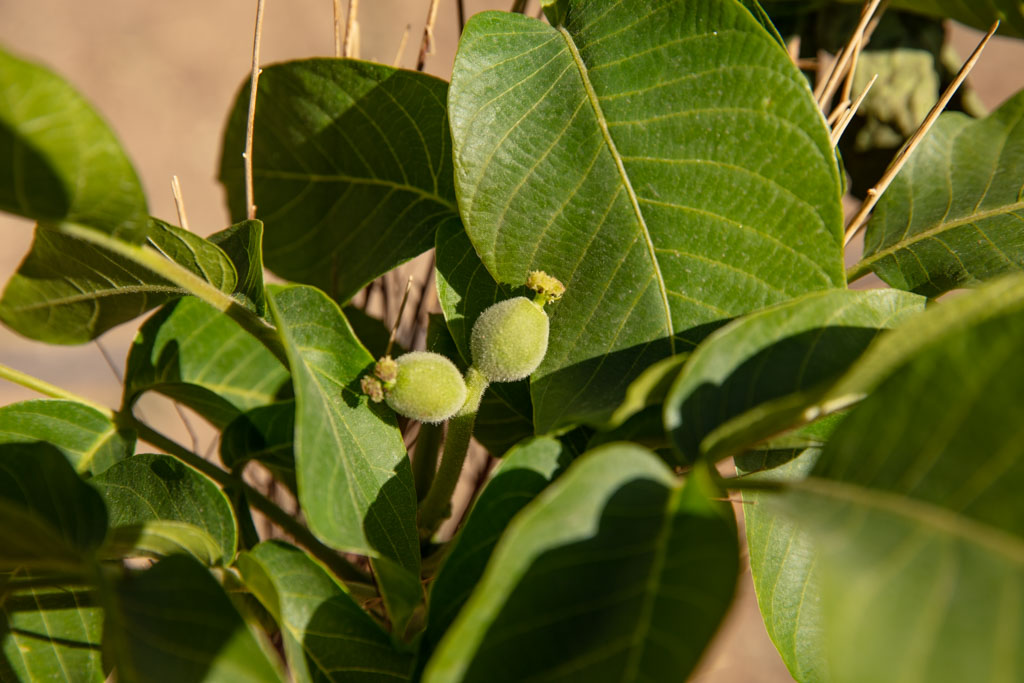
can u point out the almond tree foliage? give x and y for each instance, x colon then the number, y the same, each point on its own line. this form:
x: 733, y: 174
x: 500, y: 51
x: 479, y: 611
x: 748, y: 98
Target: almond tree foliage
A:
x: 665, y: 160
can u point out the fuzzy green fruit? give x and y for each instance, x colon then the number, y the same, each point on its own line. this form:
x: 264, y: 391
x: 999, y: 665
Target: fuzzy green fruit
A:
x: 509, y: 340
x: 427, y: 387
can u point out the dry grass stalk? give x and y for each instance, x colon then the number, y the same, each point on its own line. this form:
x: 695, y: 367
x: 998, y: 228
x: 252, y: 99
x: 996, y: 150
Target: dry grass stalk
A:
x: 843, y: 121
x: 824, y: 93
x: 337, y: 28
x: 427, y: 44
x: 179, y: 202
x: 250, y: 202
x: 876, y: 192
x: 350, y: 46
x: 401, y: 46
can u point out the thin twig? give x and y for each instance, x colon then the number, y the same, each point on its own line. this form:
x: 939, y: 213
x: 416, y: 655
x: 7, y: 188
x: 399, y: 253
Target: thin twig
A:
x: 250, y: 202
x: 426, y: 291
x: 427, y: 44
x: 519, y: 6
x: 109, y: 360
x: 460, y: 5
x: 398, y: 318
x: 337, y: 28
x: 401, y: 46
x: 842, y: 62
x: 351, y: 30
x: 179, y: 202
x: 875, y: 193
x: 188, y: 426
x: 844, y: 120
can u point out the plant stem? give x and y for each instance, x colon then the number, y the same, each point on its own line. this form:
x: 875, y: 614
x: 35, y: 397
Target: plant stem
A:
x: 424, y: 458
x: 335, y: 562
x: 436, y: 507
x: 186, y: 280
x: 47, y: 389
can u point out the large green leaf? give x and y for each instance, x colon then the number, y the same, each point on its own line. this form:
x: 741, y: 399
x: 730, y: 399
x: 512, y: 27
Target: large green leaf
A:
x: 89, y: 439
x: 782, y: 565
x: 58, y: 159
x: 775, y: 352
x: 464, y: 290
x: 49, y: 517
x: 616, y: 572
x: 327, y: 636
x: 354, y: 479
x: 954, y: 216
x: 68, y: 291
x: 150, y: 487
x: 351, y: 169
x: 243, y: 244
x: 524, y: 472
x: 915, y: 507
x: 173, y: 623
x: 199, y: 356
x: 696, y: 179
x: 50, y: 634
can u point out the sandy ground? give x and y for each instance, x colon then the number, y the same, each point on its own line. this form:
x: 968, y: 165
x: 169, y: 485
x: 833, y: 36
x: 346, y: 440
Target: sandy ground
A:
x: 164, y: 75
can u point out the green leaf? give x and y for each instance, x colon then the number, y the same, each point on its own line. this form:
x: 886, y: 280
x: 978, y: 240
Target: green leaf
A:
x: 648, y: 390
x: 89, y: 439
x: 465, y: 289
x: 616, y: 572
x: 954, y: 216
x: 698, y: 180
x: 243, y: 244
x: 327, y: 636
x: 49, y: 517
x: 68, y: 291
x: 51, y: 634
x: 782, y: 565
x: 175, y: 623
x: 524, y: 472
x: 351, y: 169
x: 147, y: 488
x: 59, y: 162
x: 354, y: 479
x: 264, y: 434
x: 776, y: 352
x: 916, y: 510
x: 199, y: 356
x: 891, y: 350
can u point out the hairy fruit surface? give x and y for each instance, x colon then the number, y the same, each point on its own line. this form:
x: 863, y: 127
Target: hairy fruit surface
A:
x: 427, y: 387
x: 509, y: 340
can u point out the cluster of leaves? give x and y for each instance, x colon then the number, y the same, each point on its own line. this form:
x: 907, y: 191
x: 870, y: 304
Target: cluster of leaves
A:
x: 667, y: 161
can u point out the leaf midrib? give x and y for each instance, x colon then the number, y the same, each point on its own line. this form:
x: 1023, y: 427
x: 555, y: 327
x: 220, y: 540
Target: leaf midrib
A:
x: 864, y: 266
x: 942, y: 520
x: 602, y: 122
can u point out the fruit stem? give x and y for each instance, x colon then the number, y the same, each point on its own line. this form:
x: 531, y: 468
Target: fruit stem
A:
x: 424, y: 457
x: 436, y: 507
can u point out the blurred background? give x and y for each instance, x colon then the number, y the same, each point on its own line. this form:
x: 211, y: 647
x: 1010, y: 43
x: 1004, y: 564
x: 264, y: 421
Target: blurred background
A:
x: 164, y: 75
